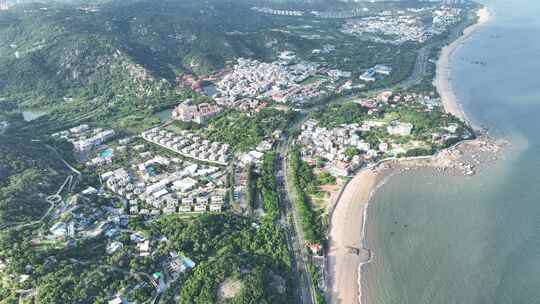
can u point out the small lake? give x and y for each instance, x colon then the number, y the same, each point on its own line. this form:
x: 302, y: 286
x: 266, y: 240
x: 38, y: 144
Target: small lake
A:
x: 210, y: 90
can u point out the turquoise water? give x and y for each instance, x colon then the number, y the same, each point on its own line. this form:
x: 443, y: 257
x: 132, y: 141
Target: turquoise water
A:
x: 106, y: 153
x: 472, y: 239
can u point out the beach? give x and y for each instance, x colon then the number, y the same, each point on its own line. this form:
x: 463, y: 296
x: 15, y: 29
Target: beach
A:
x: 443, y: 80
x: 346, y: 229
x: 346, y: 253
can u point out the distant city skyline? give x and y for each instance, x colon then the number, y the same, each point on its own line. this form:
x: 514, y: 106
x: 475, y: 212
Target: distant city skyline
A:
x: 452, y: 2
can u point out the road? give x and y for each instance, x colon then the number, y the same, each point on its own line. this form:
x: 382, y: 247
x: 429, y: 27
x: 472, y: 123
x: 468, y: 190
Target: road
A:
x: 297, y: 242
x: 68, y: 182
x: 422, y: 59
x: 420, y: 67
x: 70, y: 167
x: 52, y: 203
x: 159, y: 288
x: 295, y: 235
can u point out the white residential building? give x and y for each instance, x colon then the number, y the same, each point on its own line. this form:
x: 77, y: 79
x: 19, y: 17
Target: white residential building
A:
x: 399, y: 128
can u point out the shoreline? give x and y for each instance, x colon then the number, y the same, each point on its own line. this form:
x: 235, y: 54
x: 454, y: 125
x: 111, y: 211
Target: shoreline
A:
x: 346, y: 250
x: 350, y: 213
x: 443, y: 79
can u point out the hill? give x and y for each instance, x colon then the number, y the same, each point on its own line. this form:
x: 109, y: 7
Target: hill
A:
x: 55, y: 50
x: 117, y: 61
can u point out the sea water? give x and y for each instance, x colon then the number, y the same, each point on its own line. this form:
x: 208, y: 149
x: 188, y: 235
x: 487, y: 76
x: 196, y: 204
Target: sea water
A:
x: 442, y: 239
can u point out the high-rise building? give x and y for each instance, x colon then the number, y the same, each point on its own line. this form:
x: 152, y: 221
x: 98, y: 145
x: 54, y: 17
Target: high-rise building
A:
x: 3, y: 5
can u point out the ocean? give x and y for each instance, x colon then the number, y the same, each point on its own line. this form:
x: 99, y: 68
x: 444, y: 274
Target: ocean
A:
x: 441, y: 239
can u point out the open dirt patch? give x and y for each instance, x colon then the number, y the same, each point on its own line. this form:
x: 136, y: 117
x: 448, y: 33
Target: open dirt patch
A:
x: 229, y: 289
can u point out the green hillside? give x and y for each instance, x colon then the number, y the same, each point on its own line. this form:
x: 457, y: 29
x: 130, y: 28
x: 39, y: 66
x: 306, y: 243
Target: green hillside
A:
x: 117, y: 62
x: 62, y: 51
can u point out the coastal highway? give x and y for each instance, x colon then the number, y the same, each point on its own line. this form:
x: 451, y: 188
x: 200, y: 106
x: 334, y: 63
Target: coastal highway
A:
x: 296, y: 240
x: 420, y: 70
x: 299, y: 252
x: 420, y: 67
x: 295, y: 235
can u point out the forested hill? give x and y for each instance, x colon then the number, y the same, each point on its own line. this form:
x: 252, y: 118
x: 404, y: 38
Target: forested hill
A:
x: 136, y: 48
x: 50, y: 51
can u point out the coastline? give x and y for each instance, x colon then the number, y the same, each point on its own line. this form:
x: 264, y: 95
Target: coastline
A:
x: 443, y: 80
x: 347, y: 224
x: 348, y: 221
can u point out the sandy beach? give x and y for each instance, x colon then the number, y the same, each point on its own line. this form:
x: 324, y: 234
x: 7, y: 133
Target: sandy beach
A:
x: 346, y: 253
x: 443, y: 80
x: 346, y: 229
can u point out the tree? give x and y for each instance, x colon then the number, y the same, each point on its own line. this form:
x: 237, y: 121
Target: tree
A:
x: 350, y: 152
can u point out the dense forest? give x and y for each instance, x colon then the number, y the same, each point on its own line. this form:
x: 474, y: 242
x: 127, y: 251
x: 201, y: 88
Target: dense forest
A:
x: 224, y: 246
x: 335, y: 115
x: 304, y: 182
x: 243, y: 131
x: 227, y: 246
x: 28, y: 173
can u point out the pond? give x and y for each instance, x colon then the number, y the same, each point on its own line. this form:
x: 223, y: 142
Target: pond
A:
x: 165, y: 115
x: 210, y: 90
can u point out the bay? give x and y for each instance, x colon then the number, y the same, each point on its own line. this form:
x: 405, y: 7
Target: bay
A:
x: 441, y: 239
